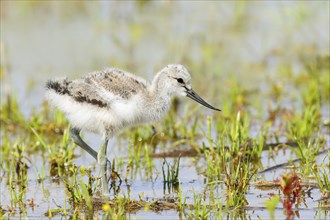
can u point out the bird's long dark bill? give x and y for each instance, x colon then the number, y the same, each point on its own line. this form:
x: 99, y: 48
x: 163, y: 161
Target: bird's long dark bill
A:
x: 191, y: 94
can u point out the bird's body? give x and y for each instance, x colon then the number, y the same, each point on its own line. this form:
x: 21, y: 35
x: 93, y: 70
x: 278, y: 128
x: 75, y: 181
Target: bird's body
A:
x: 105, y: 102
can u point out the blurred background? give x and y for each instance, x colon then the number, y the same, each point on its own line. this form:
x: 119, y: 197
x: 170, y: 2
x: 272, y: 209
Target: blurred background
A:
x: 264, y: 63
x: 216, y: 40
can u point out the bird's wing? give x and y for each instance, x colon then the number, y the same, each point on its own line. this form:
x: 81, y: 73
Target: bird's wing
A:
x: 115, y: 84
x: 78, y: 90
x: 100, y: 88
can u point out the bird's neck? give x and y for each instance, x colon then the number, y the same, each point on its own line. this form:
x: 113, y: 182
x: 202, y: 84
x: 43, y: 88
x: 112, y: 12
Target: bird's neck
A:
x: 159, y: 95
x: 158, y: 88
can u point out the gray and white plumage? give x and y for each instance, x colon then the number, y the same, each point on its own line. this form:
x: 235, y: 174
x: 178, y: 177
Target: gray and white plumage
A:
x: 106, y: 101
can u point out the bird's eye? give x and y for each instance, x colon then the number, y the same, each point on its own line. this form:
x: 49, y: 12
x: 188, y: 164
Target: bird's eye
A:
x: 180, y: 80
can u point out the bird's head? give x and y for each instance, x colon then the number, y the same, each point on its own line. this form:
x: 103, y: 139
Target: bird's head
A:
x: 176, y: 80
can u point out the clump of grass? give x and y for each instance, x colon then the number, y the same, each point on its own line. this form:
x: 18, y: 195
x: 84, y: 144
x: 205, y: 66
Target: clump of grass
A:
x: 323, y: 180
x: 139, y: 157
x: 13, y: 123
x: 306, y: 122
x: 201, y: 209
x: 11, y: 117
x: 181, y: 201
x: 304, y: 127
x: 233, y: 164
x: 18, y: 177
x: 215, y: 154
x: 308, y: 154
x: 171, y: 175
x: 238, y: 176
x: 60, y: 157
x: 79, y: 193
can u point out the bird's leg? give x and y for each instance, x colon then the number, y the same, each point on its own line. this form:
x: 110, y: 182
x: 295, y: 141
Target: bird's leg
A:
x: 102, y: 161
x: 74, y: 134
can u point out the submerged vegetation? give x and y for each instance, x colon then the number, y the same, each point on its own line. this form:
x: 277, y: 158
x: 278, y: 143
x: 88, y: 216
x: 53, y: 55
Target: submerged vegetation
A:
x: 266, y: 154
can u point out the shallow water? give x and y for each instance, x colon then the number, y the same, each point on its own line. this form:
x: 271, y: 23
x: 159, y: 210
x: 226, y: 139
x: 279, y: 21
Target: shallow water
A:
x: 49, y: 193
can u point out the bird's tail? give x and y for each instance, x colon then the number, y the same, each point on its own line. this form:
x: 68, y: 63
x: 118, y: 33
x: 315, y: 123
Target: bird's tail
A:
x: 59, y: 86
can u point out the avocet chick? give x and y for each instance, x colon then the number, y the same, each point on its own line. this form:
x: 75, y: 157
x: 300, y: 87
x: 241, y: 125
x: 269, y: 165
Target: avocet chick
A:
x: 107, y: 101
